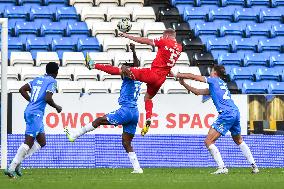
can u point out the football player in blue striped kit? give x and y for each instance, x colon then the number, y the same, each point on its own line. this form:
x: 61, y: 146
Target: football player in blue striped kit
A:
x: 228, y: 118
x: 41, y: 88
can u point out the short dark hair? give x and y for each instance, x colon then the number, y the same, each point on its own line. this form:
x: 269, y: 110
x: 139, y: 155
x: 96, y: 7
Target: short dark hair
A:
x: 52, y: 68
x: 220, y: 70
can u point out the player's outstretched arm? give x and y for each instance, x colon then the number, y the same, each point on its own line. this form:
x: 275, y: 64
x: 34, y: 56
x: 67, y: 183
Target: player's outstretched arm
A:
x: 24, y: 91
x: 142, y: 40
x: 194, y: 90
x: 135, y: 59
x: 49, y: 100
x: 191, y: 76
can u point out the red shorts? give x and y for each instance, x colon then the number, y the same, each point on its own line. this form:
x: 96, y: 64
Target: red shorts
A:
x: 153, y: 79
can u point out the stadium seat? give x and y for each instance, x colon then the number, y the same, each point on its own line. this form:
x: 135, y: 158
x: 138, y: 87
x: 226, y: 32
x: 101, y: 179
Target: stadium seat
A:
x: 29, y: 73
x: 143, y: 14
x: 249, y: 87
x: 65, y: 74
x: 231, y: 29
x: 83, y: 3
x: 267, y: 74
x: 202, y: 59
x: 41, y: 14
x: 173, y: 87
x: 116, y: 44
x: 195, y: 13
x: 21, y: 59
x: 153, y: 30
x: 107, y: 3
x: 276, y: 88
x: 168, y: 15
x: 70, y: 86
x: 136, y: 29
x: 115, y: 86
x: 17, y: 13
x: 77, y: 29
x: 73, y: 59
x: 15, y: 44
x: 93, y: 14
x: 257, y: 30
x: 9, y: 2
x: 275, y: 44
x: 121, y: 58
x: 55, y: 3
x: 252, y: 3
x: 116, y: 13
x: 97, y: 87
x: 269, y: 14
x: 241, y: 73
x: 63, y: 44
x: 14, y: 86
x: 102, y: 57
x: 83, y: 74
x: 35, y: 44
x: 189, y: 44
x: 256, y: 59
x: 230, y: 59
x: 247, y: 14
x: 12, y: 73
x: 208, y: 28
x: 222, y: 14
x: 66, y: 14
x: 233, y: 88
x: 246, y: 44
x: 218, y: 44
x: 182, y: 30
x: 52, y: 29
x: 132, y: 3
x: 277, y: 60
x: 26, y: 29
x: 102, y: 30
x: 279, y: 2
x: 146, y: 59
x: 277, y: 30
x: 183, y: 60
x: 107, y: 77
x: 44, y: 58
x: 88, y: 44
x: 33, y: 3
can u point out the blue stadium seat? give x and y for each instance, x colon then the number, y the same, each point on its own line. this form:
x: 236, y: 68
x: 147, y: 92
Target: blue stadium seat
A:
x: 245, y: 44
x: 232, y: 29
x: 214, y: 43
x: 249, y: 87
x: 277, y: 60
x: 6, y: 3
x: 270, y: 14
x: 77, y: 29
x: 24, y: 29
x: 41, y: 14
x: 66, y: 14
x: 233, y: 2
x: 195, y: 13
x: 63, y: 44
x: 17, y: 13
x: 221, y: 14
x: 86, y: 44
x: 198, y: 3
x: 250, y: 3
x: 230, y: 59
x: 267, y: 74
x: 37, y: 44
x: 33, y: 3
x: 256, y: 59
x: 184, y: 2
x: 258, y: 30
x: 52, y: 29
x: 277, y: 30
x: 276, y: 88
x: 243, y: 73
x: 274, y: 44
x: 15, y: 44
x: 279, y: 2
x: 55, y: 3
x: 245, y: 14
x: 207, y: 28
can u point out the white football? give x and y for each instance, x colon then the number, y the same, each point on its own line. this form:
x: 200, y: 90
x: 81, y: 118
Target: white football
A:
x: 124, y: 25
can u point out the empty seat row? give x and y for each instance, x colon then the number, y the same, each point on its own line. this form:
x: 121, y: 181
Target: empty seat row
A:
x: 240, y: 29
x: 34, y: 2
x: 181, y: 4
x: 233, y: 44
x: 250, y: 59
x: 255, y: 73
x: 233, y: 14
x: 264, y: 87
x: 108, y: 3
x: 40, y: 14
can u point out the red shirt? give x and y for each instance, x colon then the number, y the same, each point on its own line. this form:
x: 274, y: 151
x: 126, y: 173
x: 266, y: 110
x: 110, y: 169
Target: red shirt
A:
x: 168, y: 53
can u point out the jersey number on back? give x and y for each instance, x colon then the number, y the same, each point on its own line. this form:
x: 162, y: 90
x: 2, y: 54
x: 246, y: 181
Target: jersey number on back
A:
x: 174, y: 54
x: 35, y: 93
x: 226, y: 94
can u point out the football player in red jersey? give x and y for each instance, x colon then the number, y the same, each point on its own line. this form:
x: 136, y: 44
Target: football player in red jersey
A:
x: 168, y: 53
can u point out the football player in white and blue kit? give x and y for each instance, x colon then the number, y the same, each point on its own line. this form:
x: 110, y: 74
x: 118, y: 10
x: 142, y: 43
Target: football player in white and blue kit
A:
x: 127, y: 116
x: 228, y: 118
x: 41, y: 89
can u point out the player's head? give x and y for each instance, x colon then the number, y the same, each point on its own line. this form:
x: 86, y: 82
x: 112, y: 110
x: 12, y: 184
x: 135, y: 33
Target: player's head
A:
x: 218, y: 71
x: 169, y: 33
x: 52, y: 69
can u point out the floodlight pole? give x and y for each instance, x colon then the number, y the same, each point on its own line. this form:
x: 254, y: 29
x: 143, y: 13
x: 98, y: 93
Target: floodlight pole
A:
x: 4, y: 92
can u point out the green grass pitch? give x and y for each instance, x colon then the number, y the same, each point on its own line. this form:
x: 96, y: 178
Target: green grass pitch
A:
x: 153, y: 178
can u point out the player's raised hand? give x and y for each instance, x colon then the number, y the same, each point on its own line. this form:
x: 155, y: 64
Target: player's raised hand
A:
x: 58, y: 109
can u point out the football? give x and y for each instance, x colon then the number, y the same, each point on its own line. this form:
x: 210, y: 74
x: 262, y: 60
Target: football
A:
x: 124, y: 25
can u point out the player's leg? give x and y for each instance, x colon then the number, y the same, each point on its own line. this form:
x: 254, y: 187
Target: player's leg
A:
x: 129, y: 130
x: 238, y: 139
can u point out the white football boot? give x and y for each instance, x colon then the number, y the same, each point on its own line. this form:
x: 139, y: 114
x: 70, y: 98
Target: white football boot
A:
x: 219, y: 171
x: 137, y: 171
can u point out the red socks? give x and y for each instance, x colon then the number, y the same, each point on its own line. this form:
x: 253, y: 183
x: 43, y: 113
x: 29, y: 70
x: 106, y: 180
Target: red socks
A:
x: 148, y: 108
x: 108, y: 69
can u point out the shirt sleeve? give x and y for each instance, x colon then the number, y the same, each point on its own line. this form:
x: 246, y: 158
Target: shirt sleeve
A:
x: 210, y: 80
x: 158, y: 42
x: 52, y: 87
